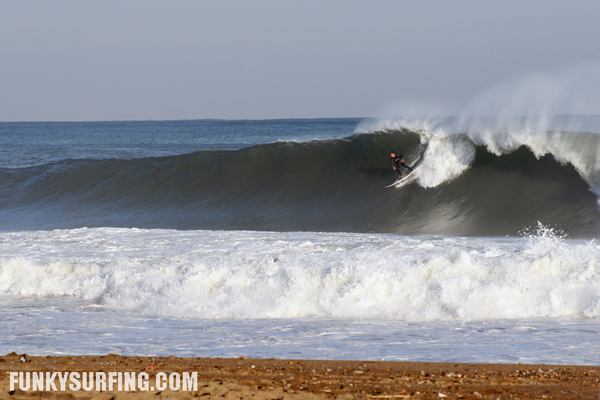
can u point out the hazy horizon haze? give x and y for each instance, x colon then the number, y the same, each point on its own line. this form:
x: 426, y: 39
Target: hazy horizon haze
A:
x: 152, y: 60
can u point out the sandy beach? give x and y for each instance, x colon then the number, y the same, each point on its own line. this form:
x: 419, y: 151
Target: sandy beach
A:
x: 240, y: 378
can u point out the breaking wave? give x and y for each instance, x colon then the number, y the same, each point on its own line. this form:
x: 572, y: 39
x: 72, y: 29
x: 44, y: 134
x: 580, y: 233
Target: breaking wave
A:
x: 468, y: 182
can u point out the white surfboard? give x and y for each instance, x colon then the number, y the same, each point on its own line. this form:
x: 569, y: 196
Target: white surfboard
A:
x: 411, y: 176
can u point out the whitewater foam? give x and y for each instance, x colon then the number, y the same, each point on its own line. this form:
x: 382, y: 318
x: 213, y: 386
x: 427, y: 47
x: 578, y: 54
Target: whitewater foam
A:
x: 241, y: 275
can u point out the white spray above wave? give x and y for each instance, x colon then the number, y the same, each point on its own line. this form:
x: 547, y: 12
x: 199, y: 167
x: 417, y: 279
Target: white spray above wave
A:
x: 553, y: 113
x: 568, y: 90
x: 450, y: 143
x: 556, y: 112
x: 243, y: 275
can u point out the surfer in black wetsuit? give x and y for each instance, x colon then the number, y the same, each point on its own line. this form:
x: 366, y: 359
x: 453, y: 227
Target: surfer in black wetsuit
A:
x: 396, y: 162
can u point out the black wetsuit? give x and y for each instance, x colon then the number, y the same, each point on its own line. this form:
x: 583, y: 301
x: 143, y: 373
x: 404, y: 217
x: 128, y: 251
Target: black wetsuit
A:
x: 396, y: 163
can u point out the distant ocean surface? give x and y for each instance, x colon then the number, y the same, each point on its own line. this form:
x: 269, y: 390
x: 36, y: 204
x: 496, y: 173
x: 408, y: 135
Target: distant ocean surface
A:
x: 278, y: 238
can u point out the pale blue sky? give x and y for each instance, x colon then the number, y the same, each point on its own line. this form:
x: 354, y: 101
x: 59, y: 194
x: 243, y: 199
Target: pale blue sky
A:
x: 144, y: 59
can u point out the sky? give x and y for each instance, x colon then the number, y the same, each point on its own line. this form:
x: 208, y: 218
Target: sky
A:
x: 162, y: 60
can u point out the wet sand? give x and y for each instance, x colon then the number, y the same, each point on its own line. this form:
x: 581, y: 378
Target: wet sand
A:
x: 241, y: 378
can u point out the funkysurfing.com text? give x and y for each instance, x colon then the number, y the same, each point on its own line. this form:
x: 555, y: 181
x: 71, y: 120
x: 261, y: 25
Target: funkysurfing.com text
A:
x: 103, y: 381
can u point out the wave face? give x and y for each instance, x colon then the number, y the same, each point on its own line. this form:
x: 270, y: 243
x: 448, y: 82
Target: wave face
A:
x: 466, y: 184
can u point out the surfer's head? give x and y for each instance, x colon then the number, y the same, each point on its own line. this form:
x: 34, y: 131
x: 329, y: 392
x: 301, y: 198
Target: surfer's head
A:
x: 392, y: 154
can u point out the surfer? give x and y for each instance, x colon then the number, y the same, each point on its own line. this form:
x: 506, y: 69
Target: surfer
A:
x: 396, y: 162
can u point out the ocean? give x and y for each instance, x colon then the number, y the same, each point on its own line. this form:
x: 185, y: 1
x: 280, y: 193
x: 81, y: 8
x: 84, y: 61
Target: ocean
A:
x: 278, y: 238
